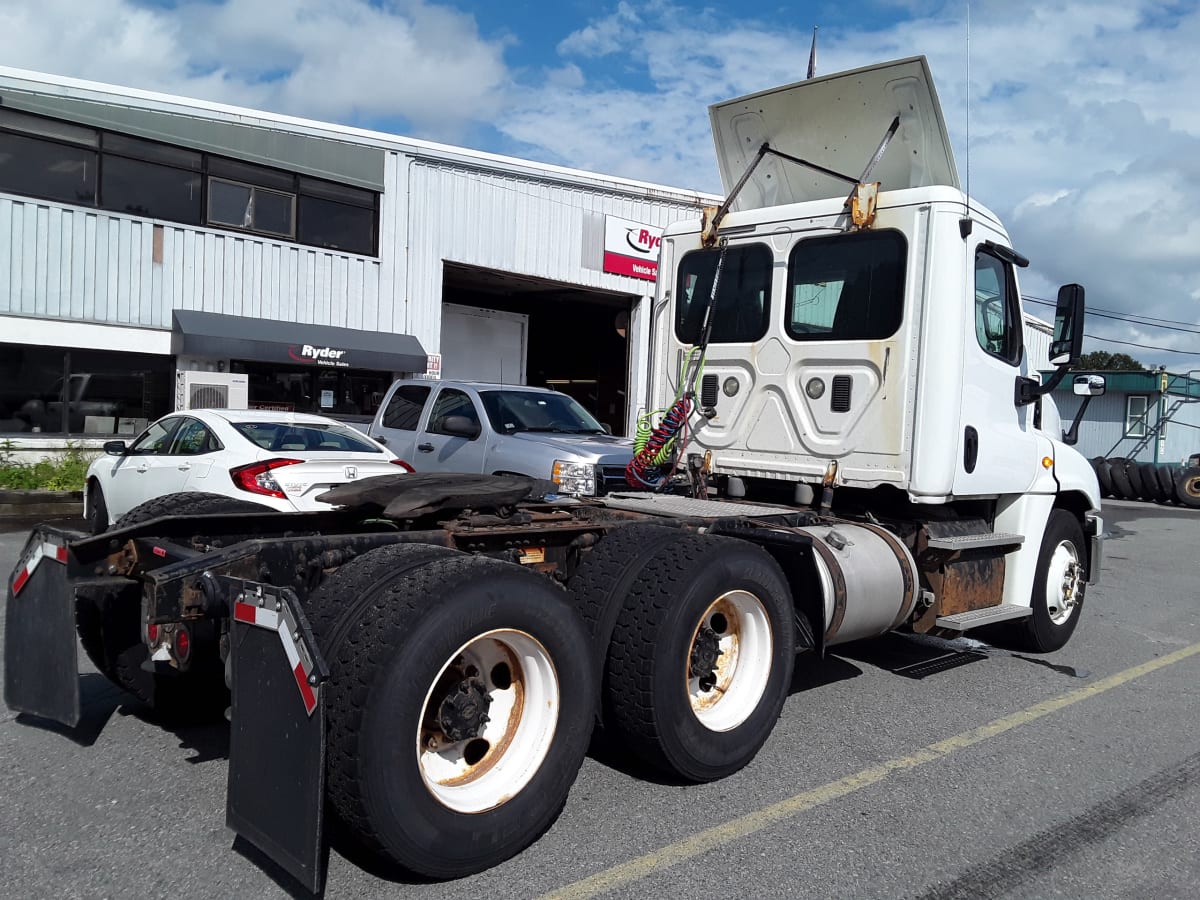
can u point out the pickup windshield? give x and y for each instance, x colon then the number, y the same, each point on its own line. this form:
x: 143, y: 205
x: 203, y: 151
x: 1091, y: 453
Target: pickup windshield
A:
x: 513, y: 411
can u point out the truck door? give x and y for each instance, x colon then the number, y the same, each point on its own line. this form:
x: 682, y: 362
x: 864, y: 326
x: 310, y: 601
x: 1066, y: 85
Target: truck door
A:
x: 440, y: 451
x: 400, y: 419
x: 999, y: 452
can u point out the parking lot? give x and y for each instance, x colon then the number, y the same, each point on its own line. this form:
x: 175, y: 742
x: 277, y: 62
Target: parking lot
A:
x: 1070, y: 775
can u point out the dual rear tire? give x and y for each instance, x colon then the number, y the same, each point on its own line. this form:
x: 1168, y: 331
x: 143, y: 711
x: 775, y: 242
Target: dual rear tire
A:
x: 702, y: 646
x: 459, y: 706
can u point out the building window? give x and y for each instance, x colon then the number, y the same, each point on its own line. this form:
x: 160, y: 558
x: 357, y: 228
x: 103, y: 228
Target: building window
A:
x: 1137, y: 411
x: 55, y: 160
x: 90, y: 392
x: 46, y: 169
x: 250, y: 207
x: 350, y: 394
x: 847, y: 287
x: 997, y: 310
x: 148, y: 189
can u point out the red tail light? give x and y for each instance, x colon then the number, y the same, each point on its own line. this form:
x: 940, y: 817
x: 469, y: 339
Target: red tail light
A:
x: 403, y: 464
x: 183, y: 643
x: 257, y: 478
x: 151, y: 634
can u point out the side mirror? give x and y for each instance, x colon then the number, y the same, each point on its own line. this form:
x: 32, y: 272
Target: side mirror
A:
x: 607, y: 428
x: 460, y: 426
x: 1089, y: 386
x: 115, y: 448
x: 1067, y: 346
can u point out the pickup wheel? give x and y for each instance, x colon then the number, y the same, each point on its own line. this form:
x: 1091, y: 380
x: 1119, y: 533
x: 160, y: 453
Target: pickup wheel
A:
x: 701, y: 657
x: 459, y: 710
x: 110, y: 628
x: 1058, y: 586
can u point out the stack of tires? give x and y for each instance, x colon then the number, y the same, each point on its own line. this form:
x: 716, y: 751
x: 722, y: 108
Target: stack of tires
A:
x: 1128, y: 479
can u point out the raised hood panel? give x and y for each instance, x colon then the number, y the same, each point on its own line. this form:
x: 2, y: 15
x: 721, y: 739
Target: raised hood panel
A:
x: 836, y: 121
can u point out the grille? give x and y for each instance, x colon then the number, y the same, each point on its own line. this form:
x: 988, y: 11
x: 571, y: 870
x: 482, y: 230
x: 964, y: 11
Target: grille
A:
x: 611, y: 478
x: 839, y: 400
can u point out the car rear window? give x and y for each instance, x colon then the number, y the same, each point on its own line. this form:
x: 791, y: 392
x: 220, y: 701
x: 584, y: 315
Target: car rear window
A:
x: 311, y: 438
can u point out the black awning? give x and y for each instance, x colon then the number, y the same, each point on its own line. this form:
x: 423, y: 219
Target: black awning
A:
x: 262, y: 340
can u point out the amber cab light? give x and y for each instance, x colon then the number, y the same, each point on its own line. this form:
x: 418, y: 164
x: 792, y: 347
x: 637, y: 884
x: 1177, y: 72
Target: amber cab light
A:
x: 257, y: 478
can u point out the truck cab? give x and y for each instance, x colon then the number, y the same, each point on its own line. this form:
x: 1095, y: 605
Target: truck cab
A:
x: 866, y: 331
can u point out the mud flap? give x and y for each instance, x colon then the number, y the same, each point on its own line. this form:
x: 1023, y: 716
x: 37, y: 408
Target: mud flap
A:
x: 41, y: 657
x: 276, y: 790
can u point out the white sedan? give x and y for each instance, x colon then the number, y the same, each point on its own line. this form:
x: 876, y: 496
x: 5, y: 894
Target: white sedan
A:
x: 277, y: 459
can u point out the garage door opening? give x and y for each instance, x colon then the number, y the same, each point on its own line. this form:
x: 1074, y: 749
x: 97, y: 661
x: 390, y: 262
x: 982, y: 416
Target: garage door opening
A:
x: 502, y: 327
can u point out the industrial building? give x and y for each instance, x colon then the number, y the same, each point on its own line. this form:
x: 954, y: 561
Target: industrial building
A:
x: 160, y: 252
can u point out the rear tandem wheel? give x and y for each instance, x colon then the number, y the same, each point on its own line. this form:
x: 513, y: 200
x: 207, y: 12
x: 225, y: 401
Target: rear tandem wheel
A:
x: 701, y: 655
x: 460, y: 706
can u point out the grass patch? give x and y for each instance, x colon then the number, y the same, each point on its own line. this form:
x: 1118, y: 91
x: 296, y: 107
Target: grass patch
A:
x: 65, y: 471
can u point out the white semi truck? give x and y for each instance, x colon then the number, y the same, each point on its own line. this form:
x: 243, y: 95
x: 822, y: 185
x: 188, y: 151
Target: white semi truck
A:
x: 847, y: 442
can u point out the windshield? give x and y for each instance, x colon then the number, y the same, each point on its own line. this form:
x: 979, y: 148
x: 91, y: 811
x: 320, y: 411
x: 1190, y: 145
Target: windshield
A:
x: 309, y: 436
x: 513, y: 411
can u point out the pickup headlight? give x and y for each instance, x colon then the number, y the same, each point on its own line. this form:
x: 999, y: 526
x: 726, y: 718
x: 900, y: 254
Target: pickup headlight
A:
x: 574, y: 477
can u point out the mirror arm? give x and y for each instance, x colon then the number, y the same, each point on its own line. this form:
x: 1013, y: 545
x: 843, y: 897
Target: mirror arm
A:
x: 1071, y: 435
x: 1028, y: 390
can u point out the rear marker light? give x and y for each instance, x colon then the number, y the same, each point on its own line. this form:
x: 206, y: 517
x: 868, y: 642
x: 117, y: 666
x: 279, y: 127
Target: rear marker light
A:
x: 257, y: 478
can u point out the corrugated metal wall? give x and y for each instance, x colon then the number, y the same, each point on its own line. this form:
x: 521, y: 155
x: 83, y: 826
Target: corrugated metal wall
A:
x: 1037, y: 343
x: 515, y: 224
x: 1102, y: 432
x: 65, y: 262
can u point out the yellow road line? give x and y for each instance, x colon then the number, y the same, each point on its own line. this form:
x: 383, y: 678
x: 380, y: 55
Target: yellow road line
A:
x: 711, y: 838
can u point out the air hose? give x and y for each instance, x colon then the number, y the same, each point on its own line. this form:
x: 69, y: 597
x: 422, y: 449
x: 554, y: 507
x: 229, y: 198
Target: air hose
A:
x: 654, y: 447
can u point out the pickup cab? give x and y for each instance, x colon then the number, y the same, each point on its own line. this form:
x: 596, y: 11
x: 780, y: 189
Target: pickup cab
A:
x: 459, y: 426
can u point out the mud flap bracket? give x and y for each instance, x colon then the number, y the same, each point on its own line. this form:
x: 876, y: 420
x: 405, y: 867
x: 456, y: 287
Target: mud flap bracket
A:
x: 276, y: 790
x: 41, y: 659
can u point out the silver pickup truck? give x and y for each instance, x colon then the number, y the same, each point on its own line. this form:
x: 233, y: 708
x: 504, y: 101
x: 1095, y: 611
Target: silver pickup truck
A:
x: 460, y: 426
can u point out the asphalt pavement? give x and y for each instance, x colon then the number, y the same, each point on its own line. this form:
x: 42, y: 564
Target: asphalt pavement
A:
x: 1075, y: 774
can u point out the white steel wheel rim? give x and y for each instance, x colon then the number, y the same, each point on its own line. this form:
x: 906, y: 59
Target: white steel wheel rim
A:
x: 487, y: 770
x: 1064, y: 580
x: 743, y: 631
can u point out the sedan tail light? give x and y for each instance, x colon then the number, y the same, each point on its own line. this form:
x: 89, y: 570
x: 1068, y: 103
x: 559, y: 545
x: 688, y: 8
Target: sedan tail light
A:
x: 257, y: 478
x: 402, y: 463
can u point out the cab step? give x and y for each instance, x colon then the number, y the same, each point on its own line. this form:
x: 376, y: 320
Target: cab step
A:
x: 976, y: 541
x: 976, y: 617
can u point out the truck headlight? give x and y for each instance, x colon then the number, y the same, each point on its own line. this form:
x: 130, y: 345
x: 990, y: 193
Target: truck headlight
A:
x: 574, y: 477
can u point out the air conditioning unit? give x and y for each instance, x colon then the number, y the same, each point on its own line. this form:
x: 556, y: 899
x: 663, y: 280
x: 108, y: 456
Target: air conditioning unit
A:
x: 211, y: 390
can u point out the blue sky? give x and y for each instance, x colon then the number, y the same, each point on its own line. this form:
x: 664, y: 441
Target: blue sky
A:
x: 1084, y: 133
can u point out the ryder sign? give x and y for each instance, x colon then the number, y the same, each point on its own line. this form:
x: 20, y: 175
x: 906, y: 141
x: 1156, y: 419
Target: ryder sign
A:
x: 631, y: 248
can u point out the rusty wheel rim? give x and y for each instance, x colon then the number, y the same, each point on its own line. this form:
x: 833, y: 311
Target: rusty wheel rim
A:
x: 478, y: 746
x: 724, y: 693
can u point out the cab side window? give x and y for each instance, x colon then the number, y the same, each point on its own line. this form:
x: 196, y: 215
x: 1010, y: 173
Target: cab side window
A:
x: 997, y: 313
x: 451, y: 403
x: 404, y: 408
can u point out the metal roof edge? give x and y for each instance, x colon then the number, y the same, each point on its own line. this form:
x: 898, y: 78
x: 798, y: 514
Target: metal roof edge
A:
x: 30, y: 80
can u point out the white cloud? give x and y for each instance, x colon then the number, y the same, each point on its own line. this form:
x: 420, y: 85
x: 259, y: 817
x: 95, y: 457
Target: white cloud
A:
x: 344, y: 60
x: 1084, y: 134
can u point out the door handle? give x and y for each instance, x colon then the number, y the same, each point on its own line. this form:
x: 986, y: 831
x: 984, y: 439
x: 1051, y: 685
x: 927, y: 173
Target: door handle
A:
x: 425, y: 448
x: 380, y: 439
x: 185, y: 467
x: 142, y: 468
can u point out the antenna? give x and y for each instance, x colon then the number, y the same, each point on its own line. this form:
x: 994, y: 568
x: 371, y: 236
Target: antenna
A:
x: 964, y: 224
